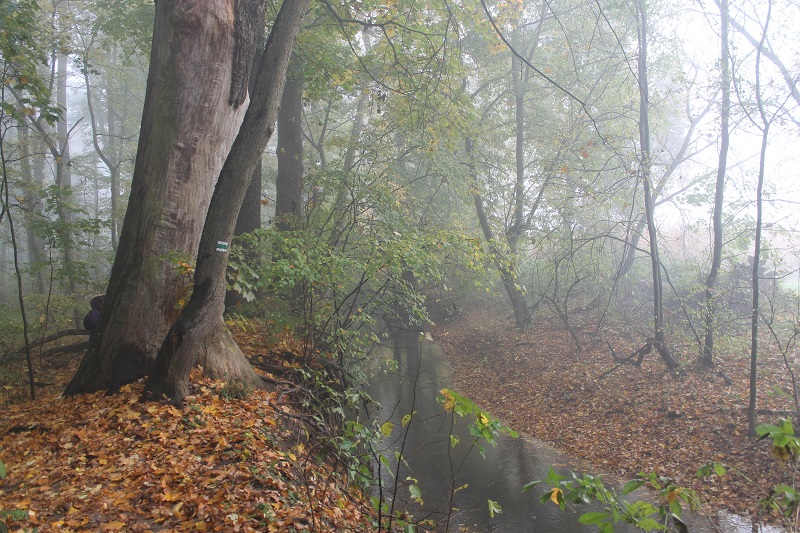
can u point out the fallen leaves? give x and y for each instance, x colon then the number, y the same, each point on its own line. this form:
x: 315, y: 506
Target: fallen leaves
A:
x: 110, y: 463
x: 631, y: 420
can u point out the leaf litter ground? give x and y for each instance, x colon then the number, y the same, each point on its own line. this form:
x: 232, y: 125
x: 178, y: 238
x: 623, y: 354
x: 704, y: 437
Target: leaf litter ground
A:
x: 631, y: 419
x: 105, y: 463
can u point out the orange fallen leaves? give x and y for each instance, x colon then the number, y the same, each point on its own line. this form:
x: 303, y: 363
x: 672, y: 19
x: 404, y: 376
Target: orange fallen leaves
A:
x: 97, y: 463
x: 631, y: 420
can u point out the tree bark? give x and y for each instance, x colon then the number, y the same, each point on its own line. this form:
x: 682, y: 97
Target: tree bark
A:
x: 249, y: 218
x: 289, y: 183
x: 200, y: 323
x: 189, y: 120
x: 707, y: 355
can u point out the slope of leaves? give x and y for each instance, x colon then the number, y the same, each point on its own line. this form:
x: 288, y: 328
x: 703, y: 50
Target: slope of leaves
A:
x: 104, y: 463
x: 628, y: 420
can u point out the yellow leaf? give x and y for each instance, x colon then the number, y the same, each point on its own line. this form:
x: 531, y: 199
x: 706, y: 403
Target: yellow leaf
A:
x: 564, y: 169
x: 554, y: 496
x: 114, y: 526
x: 449, y: 400
x: 293, y: 457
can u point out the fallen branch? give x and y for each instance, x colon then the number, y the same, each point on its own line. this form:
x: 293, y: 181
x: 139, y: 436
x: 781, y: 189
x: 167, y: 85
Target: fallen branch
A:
x: 54, y: 337
x: 607, y: 372
x: 723, y: 375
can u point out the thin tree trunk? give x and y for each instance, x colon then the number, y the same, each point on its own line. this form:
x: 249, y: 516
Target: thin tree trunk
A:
x: 113, y: 168
x: 752, y: 418
x: 752, y: 414
x: 505, y: 262
x: 33, y: 211
x: 516, y: 229
x: 108, y: 155
x: 64, y: 186
x: 249, y: 218
x: 201, y: 320
x: 658, y: 339
x: 289, y: 183
x: 707, y: 356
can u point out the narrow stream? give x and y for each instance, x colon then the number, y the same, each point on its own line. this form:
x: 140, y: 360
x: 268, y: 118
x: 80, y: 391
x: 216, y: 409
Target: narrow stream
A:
x: 438, y: 467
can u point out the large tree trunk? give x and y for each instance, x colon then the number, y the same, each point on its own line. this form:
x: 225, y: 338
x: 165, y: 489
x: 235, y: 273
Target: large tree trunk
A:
x: 707, y: 356
x: 201, y: 320
x: 191, y: 114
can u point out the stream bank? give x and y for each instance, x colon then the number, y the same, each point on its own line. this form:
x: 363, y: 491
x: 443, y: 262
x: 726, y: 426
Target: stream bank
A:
x: 619, y: 420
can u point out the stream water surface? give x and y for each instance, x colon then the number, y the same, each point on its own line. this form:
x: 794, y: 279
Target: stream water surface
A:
x: 411, y: 385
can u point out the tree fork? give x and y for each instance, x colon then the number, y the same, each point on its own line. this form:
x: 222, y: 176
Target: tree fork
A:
x: 188, y: 126
x: 202, y: 318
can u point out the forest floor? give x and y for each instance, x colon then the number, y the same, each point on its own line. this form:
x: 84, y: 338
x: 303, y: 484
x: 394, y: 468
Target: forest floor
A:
x: 104, y: 463
x: 111, y: 463
x: 626, y: 419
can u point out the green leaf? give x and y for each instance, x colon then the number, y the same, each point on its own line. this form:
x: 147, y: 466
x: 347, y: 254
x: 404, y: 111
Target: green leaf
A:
x: 529, y: 486
x: 675, y: 508
x: 649, y: 524
x: 406, y: 419
x: 416, y: 493
x: 494, y: 508
x: 385, y: 462
x: 632, y: 485
x: 387, y: 428
x: 453, y: 440
x: 785, y: 489
x: 593, y: 518
x: 2, y: 470
x: 765, y: 429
